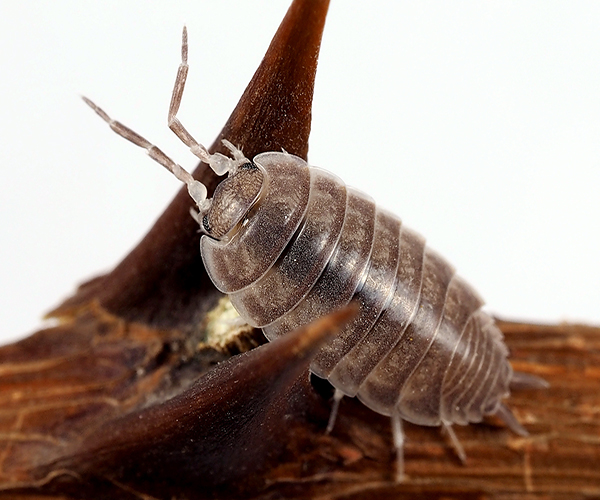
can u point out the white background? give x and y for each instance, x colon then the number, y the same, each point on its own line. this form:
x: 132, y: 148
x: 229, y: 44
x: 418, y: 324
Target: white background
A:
x: 477, y: 122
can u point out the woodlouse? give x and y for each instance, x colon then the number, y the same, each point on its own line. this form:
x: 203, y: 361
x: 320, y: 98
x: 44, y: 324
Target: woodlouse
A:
x: 290, y: 243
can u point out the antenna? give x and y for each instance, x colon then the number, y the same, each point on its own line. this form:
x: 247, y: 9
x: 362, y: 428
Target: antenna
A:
x: 196, y: 189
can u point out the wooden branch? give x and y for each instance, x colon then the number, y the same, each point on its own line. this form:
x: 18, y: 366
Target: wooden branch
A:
x: 128, y: 397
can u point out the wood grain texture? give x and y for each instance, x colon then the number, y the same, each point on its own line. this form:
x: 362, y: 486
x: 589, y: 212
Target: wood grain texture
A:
x: 92, y: 406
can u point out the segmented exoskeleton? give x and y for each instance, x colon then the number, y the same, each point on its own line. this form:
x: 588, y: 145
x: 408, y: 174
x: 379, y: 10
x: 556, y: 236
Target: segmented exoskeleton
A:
x: 290, y: 243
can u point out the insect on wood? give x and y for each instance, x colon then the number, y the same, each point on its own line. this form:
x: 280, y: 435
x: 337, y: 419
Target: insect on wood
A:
x: 290, y: 243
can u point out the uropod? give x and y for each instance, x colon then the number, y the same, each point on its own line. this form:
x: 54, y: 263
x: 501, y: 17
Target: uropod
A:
x: 289, y: 243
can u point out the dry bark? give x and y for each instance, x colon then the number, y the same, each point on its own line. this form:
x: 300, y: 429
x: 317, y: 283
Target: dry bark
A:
x: 125, y: 399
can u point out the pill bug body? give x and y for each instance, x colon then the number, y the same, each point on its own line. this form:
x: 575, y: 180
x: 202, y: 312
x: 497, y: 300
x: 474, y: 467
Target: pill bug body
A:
x: 420, y: 346
x: 290, y: 243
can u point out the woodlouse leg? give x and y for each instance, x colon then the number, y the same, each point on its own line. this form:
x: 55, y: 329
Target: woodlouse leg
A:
x: 504, y: 414
x: 337, y: 397
x: 398, y: 434
x: 522, y: 381
x: 196, y: 189
x: 218, y: 162
x: 458, y: 448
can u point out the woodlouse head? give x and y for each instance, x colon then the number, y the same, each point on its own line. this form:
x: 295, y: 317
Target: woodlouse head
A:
x: 232, y: 200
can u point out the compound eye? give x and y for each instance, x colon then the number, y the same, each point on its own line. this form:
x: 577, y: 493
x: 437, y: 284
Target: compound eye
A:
x: 248, y: 166
x: 205, y: 223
